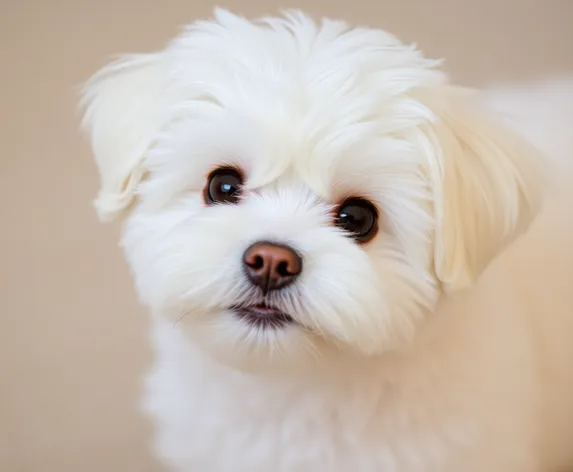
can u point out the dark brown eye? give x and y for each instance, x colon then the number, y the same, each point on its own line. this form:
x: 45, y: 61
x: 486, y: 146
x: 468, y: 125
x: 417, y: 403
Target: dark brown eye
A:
x: 223, y: 186
x: 359, y: 217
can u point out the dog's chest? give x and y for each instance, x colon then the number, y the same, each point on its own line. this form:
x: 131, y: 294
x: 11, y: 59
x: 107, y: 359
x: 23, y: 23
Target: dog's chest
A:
x: 208, y: 419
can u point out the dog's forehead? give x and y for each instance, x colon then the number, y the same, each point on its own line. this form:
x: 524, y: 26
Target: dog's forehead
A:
x: 312, y: 101
x: 337, y: 148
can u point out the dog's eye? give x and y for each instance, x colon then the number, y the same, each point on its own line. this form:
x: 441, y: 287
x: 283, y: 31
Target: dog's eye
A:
x: 359, y: 217
x: 223, y: 186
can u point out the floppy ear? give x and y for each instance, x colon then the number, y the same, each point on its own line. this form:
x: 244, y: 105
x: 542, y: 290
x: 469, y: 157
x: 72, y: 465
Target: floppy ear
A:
x: 485, y: 183
x: 121, y: 116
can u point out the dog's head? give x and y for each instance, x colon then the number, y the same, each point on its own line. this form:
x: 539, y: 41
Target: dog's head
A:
x: 290, y: 188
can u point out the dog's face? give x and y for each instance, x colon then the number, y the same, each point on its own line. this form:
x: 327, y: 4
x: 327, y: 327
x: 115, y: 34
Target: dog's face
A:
x: 293, y: 189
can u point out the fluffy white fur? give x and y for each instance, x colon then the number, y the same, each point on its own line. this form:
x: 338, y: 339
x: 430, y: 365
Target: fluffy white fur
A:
x: 412, y: 358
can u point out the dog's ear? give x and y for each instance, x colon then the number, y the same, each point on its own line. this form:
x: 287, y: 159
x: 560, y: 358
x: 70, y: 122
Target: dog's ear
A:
x: 122, y: 113
x: 485, y: 184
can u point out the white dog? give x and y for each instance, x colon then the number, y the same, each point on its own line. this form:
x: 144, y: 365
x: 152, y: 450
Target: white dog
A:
x: 309, y: 212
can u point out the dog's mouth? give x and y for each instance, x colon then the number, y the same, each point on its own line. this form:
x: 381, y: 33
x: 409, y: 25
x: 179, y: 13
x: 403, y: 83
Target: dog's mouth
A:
x: 262, y: 316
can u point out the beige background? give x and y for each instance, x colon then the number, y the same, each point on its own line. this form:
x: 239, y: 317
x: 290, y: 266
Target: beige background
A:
x: 72, y: 337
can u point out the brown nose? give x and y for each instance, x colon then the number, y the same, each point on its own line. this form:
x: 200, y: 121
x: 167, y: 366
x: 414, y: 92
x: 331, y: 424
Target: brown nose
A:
x: 271, y: 266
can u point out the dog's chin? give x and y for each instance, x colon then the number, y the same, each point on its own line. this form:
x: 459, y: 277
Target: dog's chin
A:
x: 258, y: 339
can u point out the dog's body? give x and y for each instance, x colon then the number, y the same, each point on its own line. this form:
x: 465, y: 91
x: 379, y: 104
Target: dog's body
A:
x: 432, y: 344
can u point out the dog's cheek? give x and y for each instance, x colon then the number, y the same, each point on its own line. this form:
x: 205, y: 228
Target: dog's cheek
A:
x: 181, y: 260
x: 371, y: 298
x: 339, y: 292
x: 407, y: 285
